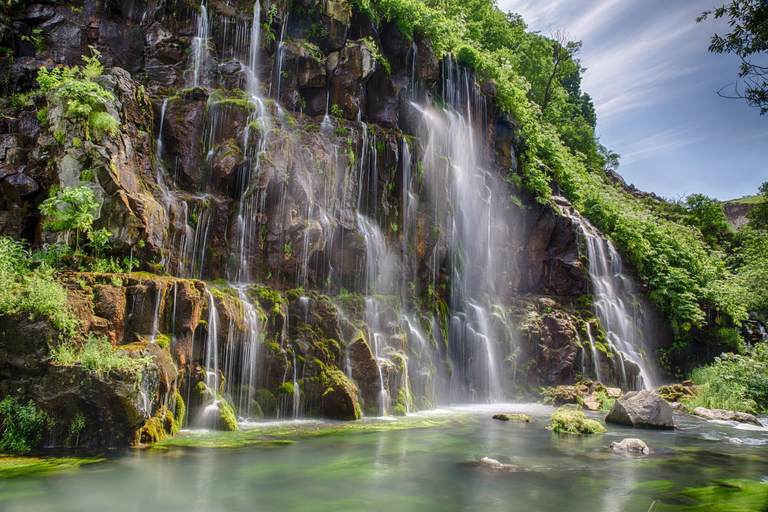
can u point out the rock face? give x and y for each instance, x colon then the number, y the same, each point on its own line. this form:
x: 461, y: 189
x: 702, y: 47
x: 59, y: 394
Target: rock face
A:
x: 723, y: 415
x: 297, y: 161
x: 631, y: 445
x: 641, y: 409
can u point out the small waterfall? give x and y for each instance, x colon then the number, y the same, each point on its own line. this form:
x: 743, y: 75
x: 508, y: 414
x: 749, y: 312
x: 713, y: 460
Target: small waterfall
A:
x: 614, y: 299
x: 595, y: 354
x: 212, y: 346
x: 200, y: 46
x: 156, y: 313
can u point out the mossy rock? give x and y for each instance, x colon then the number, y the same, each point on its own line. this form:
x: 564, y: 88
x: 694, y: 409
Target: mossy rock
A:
x: 399, y: 410
x: 180, y: 410
x: 570, y: 421
x: 256, y: 413
x: 523, y: 418
x: 267, y: 402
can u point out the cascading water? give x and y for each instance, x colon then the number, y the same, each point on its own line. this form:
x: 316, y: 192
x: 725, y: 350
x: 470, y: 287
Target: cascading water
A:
x: 614, y: 297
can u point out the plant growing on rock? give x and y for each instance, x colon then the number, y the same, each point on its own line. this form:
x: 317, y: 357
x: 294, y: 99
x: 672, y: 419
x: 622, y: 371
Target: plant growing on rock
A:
x: 83, y: 98
x: 570, y: 421
x: 99, y: 357
x: 23, y: 425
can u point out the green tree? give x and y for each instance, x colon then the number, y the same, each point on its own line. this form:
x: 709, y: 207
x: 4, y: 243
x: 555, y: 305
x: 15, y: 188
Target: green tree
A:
x: 758, y: 215
x: 71, y: 211
x: 707, y: 214
x: 748, y: 21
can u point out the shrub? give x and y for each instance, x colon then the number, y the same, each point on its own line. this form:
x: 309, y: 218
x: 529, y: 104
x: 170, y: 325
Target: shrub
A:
x: 571, y: 421
x: 99, y: 357
x: 734, y: 382
x: 23, y: 425
x: 83, y: 98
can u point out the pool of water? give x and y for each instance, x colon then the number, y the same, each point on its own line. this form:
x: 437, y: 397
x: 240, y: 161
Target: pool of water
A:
x: 418, y: 469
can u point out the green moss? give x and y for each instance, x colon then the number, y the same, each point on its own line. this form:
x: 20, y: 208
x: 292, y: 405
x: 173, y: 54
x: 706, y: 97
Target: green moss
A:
x: 228, y: 418
x: 741, y: 495
x: 267, y: 402
x: 256, y: 412
x: 399, y: 410
x: 11, y: 466
x: 162, y: 340
x: 286, y: 389
x: 523, y: 418
x: 180, y: 410
x: 570, y: 421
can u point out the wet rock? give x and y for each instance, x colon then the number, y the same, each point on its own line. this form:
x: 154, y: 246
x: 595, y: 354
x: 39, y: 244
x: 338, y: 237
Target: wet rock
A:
x: 488, y: 462
x: 675, y: 392
x: 524, y: 418
x: 677, y: 406
x: 641, y: 409
x: 567, y: 395
x: 18, y: 186
x: 185, y: 121
x: 723, y: 415
x: 631, y: 445
x: 591, y: 402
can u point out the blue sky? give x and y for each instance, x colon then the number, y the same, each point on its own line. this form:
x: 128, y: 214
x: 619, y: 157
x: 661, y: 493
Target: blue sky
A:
x: 655, y: 86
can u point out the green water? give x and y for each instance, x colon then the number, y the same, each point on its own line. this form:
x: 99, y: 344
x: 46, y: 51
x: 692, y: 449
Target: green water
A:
x: 415, y: 469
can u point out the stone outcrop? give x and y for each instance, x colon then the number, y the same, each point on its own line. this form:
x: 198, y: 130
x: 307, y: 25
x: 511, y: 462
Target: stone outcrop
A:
x: 631, y: 445
x: 641, y: 409
x: 723, y: 415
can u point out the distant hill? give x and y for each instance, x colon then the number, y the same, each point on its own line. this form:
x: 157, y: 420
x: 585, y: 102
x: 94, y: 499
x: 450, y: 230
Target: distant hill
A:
x: 736, y: 210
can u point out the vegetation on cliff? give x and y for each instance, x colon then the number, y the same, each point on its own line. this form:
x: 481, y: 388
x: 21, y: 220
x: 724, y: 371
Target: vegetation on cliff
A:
x: 538, y: 81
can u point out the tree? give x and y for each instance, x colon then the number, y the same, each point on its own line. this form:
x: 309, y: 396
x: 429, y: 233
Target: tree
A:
x: 748, y: 20
x: 707, y: 214
x: 70, y: 211
x: 563, y: 52
x: 758, y: 215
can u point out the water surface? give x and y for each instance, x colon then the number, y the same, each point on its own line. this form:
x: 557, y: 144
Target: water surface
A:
x: 418, y: 469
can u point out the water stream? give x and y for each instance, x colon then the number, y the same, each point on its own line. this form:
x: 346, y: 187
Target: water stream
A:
x: 421, y: 469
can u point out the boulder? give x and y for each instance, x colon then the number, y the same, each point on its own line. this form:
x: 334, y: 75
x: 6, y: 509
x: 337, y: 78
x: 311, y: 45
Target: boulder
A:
x: 523, y: 418
x: 631, y: 445
x: 591, y: 402
x: 641, y: 409
x: 723, y: 415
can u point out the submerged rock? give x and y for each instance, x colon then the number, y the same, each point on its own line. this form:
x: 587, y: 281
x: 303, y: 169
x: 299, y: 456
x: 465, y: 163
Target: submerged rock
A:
x: 723, y: 415
x: 641, y: 409
x: 631, y: 445
x: 495, y: 464
x: 513, y: 417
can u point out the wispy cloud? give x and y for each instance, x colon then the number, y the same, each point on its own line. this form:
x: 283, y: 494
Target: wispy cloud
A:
x: 662, y: 142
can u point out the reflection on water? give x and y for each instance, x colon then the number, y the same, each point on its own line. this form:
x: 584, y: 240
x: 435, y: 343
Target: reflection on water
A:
x: 410, y: 470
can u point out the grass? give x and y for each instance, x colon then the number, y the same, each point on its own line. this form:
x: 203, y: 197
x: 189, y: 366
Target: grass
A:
x: 98, y: 356
x: 571, y: 421
x: 276, y: 434
x: 746, y: 200
x: 11, y: 466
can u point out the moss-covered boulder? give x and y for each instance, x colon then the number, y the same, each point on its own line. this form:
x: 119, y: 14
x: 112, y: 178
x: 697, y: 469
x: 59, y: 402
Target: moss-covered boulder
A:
x: 572, y: 421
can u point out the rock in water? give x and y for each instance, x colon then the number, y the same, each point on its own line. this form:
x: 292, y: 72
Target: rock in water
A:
x: 722, y: 414
x: 513, y: 417
x: 641, y: 409
x: 491, y: 463
x: 592, y: 402
x: 631, y: 445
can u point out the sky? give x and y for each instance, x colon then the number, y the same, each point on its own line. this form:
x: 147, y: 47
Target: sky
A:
x: 654, y: 85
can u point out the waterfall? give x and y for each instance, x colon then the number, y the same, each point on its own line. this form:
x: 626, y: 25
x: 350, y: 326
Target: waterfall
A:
x: 212, y: 346
x: 614, y: 299
x: 200, y: 46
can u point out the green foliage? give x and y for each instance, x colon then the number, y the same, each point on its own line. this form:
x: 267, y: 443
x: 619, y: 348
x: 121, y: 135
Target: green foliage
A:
x: 571, y: 421
x: 76, y: 428
x: 748, y: 39
x: 734, y: 382
x: 758, y: 215
x: 749, y: 258
x: 707, y: 215
x: 83, y: 99
x: 99, y: 357
x: 36, y: 292
x: 23, y: 425
x: 337, y: 112
x: 70, y: 210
